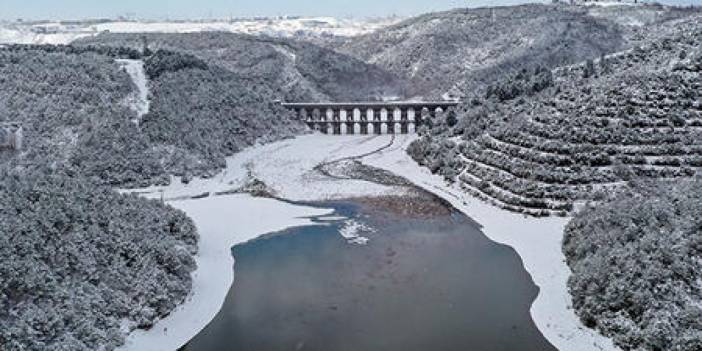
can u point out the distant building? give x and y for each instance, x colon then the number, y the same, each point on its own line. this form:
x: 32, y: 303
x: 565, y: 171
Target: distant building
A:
x: 593, y: 2
x: 10, y: 136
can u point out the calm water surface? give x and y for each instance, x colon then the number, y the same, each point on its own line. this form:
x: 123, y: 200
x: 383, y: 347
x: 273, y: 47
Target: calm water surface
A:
x: 436, y: 284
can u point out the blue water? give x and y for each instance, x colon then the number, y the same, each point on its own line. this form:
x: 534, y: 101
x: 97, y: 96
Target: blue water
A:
x: 429, y: 284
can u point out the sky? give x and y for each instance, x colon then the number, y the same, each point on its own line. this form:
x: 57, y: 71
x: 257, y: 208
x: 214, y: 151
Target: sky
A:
x: 203, y: 9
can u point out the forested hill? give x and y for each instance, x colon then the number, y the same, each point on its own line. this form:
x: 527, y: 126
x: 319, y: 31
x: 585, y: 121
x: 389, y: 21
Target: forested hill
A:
x: 81, y: 265
x: 464, y: 49
x: 73, y: 246
x: 71, y: 107
x: 636, y: 266
x: 539, y: 140
x: 618, y: 138
x: 73, y: 104
x: 301, y: 71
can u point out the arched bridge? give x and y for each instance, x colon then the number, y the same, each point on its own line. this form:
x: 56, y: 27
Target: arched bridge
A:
x: 398, y: 117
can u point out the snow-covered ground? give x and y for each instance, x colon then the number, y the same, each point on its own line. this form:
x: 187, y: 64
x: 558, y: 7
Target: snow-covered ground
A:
x: 139, y: 100
x: 287, y: 168
x: 58, y: 33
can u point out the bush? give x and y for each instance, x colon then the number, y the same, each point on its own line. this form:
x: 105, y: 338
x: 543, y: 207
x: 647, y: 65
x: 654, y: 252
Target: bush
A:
x: 169, y: 61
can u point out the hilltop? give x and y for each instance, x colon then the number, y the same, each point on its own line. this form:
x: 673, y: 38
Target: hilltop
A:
x: 302, y: 71
x: 461, y: 50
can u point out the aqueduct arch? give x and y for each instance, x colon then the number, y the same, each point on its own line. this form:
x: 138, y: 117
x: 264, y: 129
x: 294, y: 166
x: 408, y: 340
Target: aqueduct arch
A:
x: 400, y: 117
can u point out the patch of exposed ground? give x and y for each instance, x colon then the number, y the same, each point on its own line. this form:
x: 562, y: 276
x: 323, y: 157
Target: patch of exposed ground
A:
x: 417, y: 204
x: 354, y: 169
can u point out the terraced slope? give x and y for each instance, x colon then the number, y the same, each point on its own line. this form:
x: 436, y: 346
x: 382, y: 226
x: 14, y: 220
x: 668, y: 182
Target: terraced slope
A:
x: 634, y: 114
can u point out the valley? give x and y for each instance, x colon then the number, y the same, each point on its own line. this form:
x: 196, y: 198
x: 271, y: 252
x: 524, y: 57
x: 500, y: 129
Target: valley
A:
x: 140, y: 159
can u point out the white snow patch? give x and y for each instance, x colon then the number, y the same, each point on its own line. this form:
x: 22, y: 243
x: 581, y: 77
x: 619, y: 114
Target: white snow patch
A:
x: 292, y: 56
x: 536, y: 240
x: 25, y: 35
x: 139, y: 100
x: 125, y: 325
x: 287, y: 167
x: 222, y: 221
x: 331, y: 218
x: 351, y: 232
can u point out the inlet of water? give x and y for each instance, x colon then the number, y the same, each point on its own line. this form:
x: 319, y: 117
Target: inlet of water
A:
x: 418, y: 284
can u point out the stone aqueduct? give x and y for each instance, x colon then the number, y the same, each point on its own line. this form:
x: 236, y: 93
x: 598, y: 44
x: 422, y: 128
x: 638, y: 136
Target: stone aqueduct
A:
x: 367, y: 117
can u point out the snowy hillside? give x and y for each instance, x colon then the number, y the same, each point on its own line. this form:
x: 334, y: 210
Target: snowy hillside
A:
x: 586, y: 128
x: 462, y: 49
x: 298, y: 69
x: 618, y: 136
x: 300, y: 27
x: 82, y: 265
x: 637, y: 273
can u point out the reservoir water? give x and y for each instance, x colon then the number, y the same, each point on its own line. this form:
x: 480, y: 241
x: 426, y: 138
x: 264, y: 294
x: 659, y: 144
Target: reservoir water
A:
x: 435, y: 283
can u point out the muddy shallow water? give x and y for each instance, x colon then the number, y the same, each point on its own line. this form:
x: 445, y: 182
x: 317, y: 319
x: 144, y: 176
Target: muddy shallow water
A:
x: 433, y: 283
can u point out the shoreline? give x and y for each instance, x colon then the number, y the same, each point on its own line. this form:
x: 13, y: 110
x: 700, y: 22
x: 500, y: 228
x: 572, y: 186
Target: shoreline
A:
x: 222, y: 221
x: 287, y: 168
x: 536, y: 240
x: 251, y: 217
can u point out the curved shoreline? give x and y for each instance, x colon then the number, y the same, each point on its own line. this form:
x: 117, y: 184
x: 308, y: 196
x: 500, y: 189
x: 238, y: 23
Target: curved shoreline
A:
x: 223, y: 221
x: 287, y: 167
x: 226, y: 220
x: 536, y: 240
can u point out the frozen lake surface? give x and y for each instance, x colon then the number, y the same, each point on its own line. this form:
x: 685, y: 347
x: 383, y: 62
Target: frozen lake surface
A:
x: 435, y: 283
